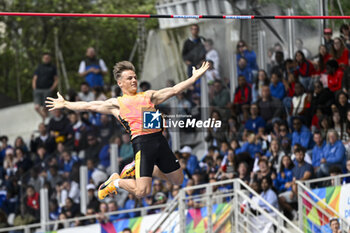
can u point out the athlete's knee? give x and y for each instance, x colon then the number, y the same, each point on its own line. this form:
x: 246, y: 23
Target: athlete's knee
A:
x: 140, y: 193
x: 37, y: 107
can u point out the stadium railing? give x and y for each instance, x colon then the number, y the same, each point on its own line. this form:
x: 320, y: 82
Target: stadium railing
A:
x: 313, y: 211
x: 243, y: 211
x: 245, y: 214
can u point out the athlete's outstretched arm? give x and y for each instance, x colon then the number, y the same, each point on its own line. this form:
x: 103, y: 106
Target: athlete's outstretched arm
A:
x: 158, y: 97
x: 109, y: 106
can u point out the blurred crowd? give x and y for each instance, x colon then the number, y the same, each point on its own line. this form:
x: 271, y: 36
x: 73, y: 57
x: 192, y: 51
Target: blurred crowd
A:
x: 289, y: 122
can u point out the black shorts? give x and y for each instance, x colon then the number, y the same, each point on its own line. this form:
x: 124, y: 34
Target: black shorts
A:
x: 153, y: 149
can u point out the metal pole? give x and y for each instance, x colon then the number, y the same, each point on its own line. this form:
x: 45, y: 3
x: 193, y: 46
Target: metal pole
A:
x: 204, y: 107
x: 182, y: 208
x: 236, y: 209
x: 300, y: 207
x: 18, y: 77
x: 325, y: 6
x: 83, y: 191
x: 321, y: 22
x: 209, y: 202
x: 291, y: 38
x: 114, y: 155
x: 262, y: 49
x: 58, y: 65
x: 280, y: 224
x: 175, y: 133
x: 233, y: 61
x: 44, y: 208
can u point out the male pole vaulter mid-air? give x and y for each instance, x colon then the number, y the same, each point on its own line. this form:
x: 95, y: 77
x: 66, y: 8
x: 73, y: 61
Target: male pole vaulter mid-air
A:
x: 152, y: 155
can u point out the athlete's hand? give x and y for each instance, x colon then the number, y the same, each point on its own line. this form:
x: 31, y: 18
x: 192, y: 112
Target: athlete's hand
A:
x: 199, y: 72
x: 53, y: 104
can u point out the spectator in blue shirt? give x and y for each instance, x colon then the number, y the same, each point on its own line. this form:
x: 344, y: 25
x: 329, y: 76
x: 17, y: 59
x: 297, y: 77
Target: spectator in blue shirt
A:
x: 249, y: 55
x: 276, y: 87
x: 255, y: 121
x: 284, y: 179
x: 333, y: 153
x: 301, y: 134
x: 301, y: 171
x: 104, y: 154
x: 192, y: 161
x: 250, y: 146
x: 67, y: 162
x: 131, y: 203
x: 317, y: 152
x: 112, y: 207
x: 244, y: 70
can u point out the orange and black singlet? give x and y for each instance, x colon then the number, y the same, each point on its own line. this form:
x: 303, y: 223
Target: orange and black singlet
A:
x: 131, y: 108
x: 149, y: 145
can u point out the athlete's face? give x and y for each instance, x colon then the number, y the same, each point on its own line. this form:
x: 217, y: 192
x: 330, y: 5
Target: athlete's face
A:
x: 128, y: 82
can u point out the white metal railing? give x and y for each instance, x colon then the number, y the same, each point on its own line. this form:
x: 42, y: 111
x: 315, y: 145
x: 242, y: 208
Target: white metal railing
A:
x: 240, y: 196
x: 324, y: 211
x: 250, y: 220
x: 52, y: 225
x: 319, y: 182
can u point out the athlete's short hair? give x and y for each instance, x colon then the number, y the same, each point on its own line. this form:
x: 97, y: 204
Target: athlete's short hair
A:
x: 120, y: 67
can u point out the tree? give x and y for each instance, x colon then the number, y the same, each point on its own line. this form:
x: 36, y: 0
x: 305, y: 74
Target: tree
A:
x: 113, y: 38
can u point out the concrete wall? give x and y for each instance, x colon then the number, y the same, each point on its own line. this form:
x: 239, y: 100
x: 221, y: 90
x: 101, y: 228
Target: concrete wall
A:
x: 20, y: 120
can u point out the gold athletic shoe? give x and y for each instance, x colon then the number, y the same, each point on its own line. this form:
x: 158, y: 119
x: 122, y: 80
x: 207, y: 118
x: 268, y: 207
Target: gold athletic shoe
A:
x: 108, y: 187
x: 128, y: 171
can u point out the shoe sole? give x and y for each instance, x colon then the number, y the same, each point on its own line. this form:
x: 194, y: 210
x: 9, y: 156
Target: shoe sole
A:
x: 106, y: 183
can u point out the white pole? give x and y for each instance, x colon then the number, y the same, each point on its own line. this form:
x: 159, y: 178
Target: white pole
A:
x: 44, y: 208
x: 262, y: 49
x: 114, y: 155
x: 83, y: 191
x: 291, y: 39
x: 175, y: 132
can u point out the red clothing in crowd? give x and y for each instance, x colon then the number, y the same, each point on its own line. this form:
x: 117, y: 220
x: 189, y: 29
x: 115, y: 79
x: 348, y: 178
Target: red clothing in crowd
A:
x: 291, y: 90
x: 305, y: 69
x: 335, y: 80
x: 33, y: 202
x: 344, y: 58
x: 315, y: 122
x: 243, y: 95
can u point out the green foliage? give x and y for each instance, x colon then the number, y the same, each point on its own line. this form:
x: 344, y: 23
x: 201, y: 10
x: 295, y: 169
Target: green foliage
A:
x: 29, y: 37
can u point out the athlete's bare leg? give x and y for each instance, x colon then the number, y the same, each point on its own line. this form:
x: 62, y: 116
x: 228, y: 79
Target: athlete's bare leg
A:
x: 176, y: 177
x: 158, y: 173
x: 140, y: 187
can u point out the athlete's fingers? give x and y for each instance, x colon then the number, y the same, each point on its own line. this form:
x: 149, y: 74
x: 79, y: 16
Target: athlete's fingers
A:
x: 50, y: 98
x: 49, y: 101
x: 52, y: 109
x: 193, y: 69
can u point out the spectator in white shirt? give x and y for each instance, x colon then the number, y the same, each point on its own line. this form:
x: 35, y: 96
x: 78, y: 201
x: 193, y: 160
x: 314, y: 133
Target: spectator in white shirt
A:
x: 85, y: 94
x: 212, y: 54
